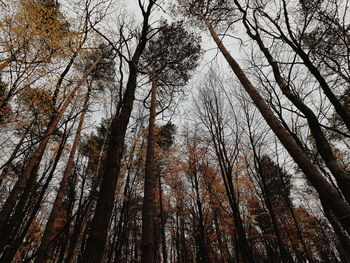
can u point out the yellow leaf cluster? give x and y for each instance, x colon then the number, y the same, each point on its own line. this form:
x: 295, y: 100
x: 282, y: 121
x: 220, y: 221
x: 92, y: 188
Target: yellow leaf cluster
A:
x: 37, y: 100
x: 37, y: 26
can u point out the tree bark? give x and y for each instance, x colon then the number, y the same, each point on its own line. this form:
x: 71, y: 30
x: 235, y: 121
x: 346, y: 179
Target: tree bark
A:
x: 202, y: 256
x: 33, y: 162
x: 324, y: 148
x: 295, y: 44
x: 149, y: 197
x: 95, y: 246
x: 17, y: 227
x: 58, y: 215
x: 162, y: 221
x: 340, y: 208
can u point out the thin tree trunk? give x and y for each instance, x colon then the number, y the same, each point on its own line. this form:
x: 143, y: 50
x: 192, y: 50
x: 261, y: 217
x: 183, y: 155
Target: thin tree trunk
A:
x: 6, y: 62
x: 324, y: 148
x: 85, y: 210
x: 162, y: 221
x: 226, y: 172
x: 33, y: 161
x: 149, y: 200
x: 202, y: 256
x: 285, y: 256
x: 58, y: 215
x: 343, y: 238
x: 17, y: 228
x: 295, y: 44
x: 6, y: 166
x: 95, y: 246
x: 340, y: 208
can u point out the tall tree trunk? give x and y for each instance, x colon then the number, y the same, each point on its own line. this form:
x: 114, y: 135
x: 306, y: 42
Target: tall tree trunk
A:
x: 95, y: 246
x: 323, y: 147
x: 340, y: 208
x: 226, y: 172
x: 343, y: 237
x: 285, y: 256
x: 202, y: 256
x: 58, y: 215
x: 17, y: 227
x: 149, y: 197
x: 162, y: 221
x: 33, y: 162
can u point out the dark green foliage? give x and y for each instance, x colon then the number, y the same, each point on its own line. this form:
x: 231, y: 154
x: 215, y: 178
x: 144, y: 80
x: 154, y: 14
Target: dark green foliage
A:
x: 278, y: 182
x: 105, y: 69
x: 173, y: 55
x: 165, y: 137
x: 94, y: 142
x: 215, y: 11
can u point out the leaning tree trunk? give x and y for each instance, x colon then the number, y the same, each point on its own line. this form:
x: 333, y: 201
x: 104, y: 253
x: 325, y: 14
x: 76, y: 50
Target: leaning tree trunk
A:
x: 33, y: 161
x: 326, y: 191
x: 149, y: 197
x: 58, y: 215
x: 323, y: 146
x: 23, y: 216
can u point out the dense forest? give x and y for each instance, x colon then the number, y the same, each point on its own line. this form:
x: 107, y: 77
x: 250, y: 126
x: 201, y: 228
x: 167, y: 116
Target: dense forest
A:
x: 205, y: 131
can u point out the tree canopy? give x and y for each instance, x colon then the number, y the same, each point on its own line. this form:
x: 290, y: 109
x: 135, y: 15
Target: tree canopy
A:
x: 181, y: 131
